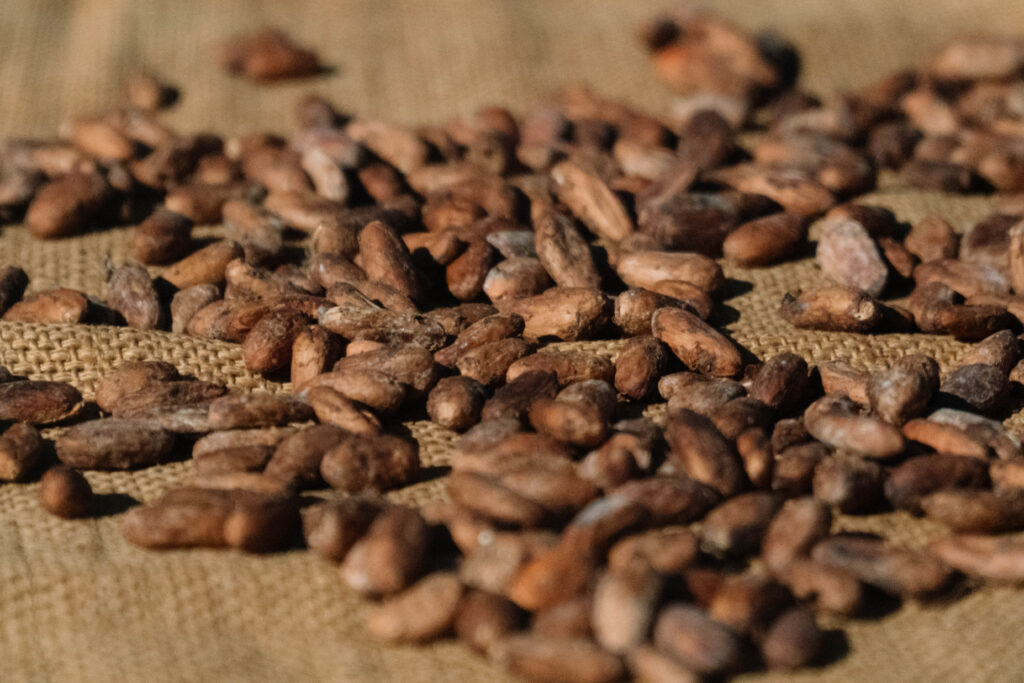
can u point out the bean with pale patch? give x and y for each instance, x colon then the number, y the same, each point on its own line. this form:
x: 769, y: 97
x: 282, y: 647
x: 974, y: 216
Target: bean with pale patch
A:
x: 832, y: 309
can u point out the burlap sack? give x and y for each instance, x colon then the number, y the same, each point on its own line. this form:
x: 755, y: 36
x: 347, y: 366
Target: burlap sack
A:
x: 77, y: 603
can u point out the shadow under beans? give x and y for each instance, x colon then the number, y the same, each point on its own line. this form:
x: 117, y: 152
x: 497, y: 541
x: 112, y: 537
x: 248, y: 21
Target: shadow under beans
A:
x: 290, y: 253
x: 732, y: 288
x: 410, y: 412
x: 170, y: 96
x: 429, y: 473
x: 324, y: 71
x: 633, y: 410
x: 746, y: 355
x: 808, y: 249
x: 898, y: 287
x: 395, y: 425
x: 89, y: 411
x: 202, y: 242
x: 109, y: 504
x: 47, y: 459
x: 446, y: 559
x: 877, y: 605
x: 281, y: 375
x: 723, y: 315
x: 164, y: 290
x: 958, y: 588
x: 1015, y: 403
x: 834, y: 646
x: 309, y: 498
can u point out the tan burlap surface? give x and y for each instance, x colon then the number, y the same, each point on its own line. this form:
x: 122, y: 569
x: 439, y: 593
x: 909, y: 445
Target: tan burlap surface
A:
x: 77, y: 603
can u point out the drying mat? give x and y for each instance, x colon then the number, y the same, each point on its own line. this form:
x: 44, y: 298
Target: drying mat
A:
x: 77, y: 603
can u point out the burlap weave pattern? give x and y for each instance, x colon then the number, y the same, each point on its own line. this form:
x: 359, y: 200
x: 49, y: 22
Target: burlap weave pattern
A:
x: 77, y: 603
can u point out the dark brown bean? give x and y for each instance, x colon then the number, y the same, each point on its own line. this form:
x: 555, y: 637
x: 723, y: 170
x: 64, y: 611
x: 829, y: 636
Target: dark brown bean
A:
x: 1000, y: 349
x: 465, y: 276
x: 793, y: 470
x: 668, y: 550
x: 634, y: 307
x: 984, y: 388
x: 13, y: 281
x: 838, y: 377
x: 38, y: 402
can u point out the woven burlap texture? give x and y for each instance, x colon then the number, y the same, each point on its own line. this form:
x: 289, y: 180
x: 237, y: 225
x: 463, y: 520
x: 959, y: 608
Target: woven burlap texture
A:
x: 77, y: 603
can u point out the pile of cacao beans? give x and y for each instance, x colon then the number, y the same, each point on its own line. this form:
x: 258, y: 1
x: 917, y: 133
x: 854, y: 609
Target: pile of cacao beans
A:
x: 658, y: 504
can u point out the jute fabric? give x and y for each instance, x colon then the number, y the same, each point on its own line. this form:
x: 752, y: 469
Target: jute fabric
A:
x: 77, y: 603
